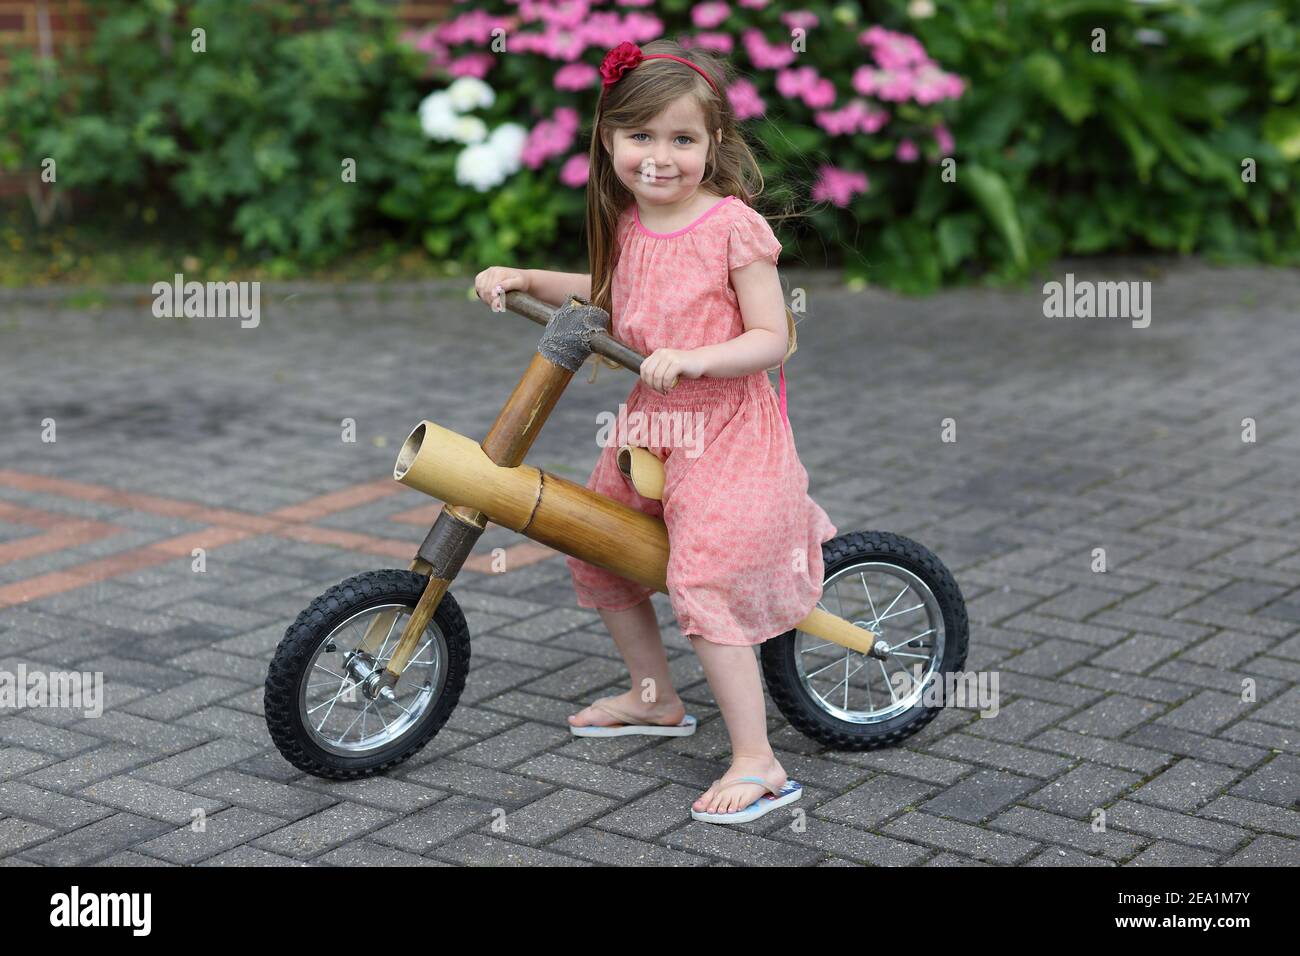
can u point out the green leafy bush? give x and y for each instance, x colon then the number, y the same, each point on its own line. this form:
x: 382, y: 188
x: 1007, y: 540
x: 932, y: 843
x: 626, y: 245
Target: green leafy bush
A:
x: 249, y: 136
x: 1058, y: 145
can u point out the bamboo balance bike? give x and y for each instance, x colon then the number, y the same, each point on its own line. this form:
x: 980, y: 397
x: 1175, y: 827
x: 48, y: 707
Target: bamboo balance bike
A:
x: 372, y: 669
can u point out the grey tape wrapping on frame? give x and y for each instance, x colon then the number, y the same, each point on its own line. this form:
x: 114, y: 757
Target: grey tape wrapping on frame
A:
x: 566, y: 341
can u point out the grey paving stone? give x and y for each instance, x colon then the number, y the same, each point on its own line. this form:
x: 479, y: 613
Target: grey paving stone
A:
x: 96, y: 841
x: 1082, y: 790
x: 15, y: 834
x: 1099, y: 750
x: 323, y: 831
x: 583, y: 775
x: 189, y: 765
x: 252, y: 856
x: 1011, y: 757
x: 979, y: 796
x: 1172, y: 854
x: 1257, y: 816
x: 425, y: 829
x: 543, y: 820
x: 477, y: 849
x: 612, y: 849
x: 1115, y: 716
x: 42, y: 806
x: 984, y: 845
x: 382, y: 792
x: 1080, y: 835
x: 1276, y: 782
x: 1178, y: 827
x: 149, y: 799
x: 269, y: 796
x: 880, y: 798
x: 372, y: 854
x: 217, y: 833
x: 1267, y: 851
x: 1055, y: 856
x: 69, y: 775
x: 509, y: 790
x: 736, y: 846
x: 1162, y: 737
x: 1187, y: 785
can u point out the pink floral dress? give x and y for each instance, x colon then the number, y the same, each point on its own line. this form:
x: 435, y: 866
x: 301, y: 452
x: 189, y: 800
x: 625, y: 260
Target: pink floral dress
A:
x: 745, y: 557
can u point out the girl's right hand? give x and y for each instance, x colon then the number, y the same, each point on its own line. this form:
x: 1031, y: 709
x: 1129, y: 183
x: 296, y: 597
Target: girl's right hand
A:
x: 494, y: 282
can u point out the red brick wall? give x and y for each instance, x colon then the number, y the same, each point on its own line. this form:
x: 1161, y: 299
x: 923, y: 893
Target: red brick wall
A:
x: 52, y: 24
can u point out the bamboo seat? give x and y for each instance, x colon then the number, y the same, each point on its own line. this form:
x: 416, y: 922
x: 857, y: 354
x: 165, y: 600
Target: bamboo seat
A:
x: 644, y: 469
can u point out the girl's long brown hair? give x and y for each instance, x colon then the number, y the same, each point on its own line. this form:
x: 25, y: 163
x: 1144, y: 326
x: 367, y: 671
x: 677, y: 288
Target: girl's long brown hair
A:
x: 638, y: 97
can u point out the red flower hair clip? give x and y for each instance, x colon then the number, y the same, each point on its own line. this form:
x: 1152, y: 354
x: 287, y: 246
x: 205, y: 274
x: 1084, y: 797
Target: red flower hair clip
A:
x: 618, y: 61
x: 627, y: 56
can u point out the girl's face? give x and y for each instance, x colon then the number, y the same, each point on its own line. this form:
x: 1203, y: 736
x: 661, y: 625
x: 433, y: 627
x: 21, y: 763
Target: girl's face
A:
x: 662, y: 162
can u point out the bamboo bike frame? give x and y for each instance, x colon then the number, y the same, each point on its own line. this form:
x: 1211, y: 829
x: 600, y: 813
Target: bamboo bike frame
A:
x: 490, y: 482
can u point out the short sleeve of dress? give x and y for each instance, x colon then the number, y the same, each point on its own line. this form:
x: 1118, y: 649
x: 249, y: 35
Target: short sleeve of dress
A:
x: 751, y: 238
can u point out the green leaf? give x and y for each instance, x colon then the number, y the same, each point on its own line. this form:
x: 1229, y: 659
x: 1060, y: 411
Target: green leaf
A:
x: 991, y: 193
x: 1282, y: 129
x: 1071, y: 96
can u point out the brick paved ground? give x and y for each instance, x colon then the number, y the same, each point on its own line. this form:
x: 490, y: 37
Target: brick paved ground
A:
x: 1121, y: 690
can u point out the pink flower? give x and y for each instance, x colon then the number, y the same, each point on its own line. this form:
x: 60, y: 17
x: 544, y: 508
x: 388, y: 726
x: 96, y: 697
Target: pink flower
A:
x: 933, y: 85
x: 764, y: 55
x: 471, y: 64
x: 905, y: 71
x: 754, y: 4
x: 420, y: 42
x: 709, y: 15
x: 884, y: 84
x: 474, y: 27
x: 721, y: 42
x: 856, y: 116
x: 575, y: 170
x: 576, y: 76
x: 838, y: 185
x: 943, y: 139
x: 804, y: 82
x: 893, y: 51
x: 907, y: 151
x: 820, y: 94
x: 745, y: 100
x: 800, y: 19
x: 559, y: 13
x: 550, y: 138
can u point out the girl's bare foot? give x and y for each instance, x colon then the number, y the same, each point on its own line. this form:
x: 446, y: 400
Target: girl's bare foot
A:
x: 718, y: 799
x: 667, y: 712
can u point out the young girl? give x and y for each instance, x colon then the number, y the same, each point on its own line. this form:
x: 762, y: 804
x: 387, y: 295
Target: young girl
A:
x: 687, y: 270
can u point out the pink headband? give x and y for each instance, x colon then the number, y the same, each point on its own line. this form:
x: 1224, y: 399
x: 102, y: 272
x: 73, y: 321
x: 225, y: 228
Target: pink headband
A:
x: 627, y: 55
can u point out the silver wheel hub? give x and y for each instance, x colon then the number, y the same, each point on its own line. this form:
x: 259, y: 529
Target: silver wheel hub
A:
x: 891, y: 678
x: 351, y: 706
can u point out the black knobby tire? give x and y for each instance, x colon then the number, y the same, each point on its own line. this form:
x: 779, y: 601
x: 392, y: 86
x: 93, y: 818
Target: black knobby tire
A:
x: 791, y: 694
x: 302, y: 638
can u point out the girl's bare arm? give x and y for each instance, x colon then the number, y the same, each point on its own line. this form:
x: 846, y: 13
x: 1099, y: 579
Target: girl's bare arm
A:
x: 556, y: 287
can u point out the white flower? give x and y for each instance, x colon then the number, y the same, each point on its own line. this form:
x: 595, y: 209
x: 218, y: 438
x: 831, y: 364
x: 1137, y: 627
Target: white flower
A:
x: 468, y: 93
x: 469, y: 129
x: 479, y: 166
x: 508, y: 141
x: 437, y: 117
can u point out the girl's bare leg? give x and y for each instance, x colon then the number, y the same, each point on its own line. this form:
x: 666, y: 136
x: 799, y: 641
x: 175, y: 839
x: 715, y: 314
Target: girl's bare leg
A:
x: 733, y: 674
x: 652, y: 697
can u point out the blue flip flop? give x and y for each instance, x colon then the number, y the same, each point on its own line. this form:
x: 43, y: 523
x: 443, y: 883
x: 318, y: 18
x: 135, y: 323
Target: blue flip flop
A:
x: 768, y: 802
x: 628, y: 725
